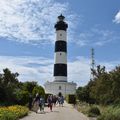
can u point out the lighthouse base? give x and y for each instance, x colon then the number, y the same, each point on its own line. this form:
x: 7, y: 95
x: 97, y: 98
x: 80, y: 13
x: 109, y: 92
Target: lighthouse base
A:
x: 57, y: 88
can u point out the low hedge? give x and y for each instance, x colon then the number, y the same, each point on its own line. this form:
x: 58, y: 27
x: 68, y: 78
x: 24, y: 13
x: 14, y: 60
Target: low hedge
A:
x: 71, y: 99
x: 13, y: 112
x: 93, y: 111
x: 111, y: 113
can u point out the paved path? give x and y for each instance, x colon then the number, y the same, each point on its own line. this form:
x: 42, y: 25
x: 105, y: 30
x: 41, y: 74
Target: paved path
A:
x: 67, y: 112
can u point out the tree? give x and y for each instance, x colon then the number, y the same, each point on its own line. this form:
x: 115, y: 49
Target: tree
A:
x: 38, y: 89
x: 115, y: 89
x: 29, y: 86
x: 8, y: 84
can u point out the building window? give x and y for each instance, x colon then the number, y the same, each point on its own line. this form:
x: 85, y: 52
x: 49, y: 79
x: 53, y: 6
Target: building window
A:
x: 60, y: 34
x: 60, y: 53
x: 59, y: 87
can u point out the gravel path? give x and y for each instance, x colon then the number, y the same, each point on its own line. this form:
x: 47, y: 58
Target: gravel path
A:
x: 67, y: 112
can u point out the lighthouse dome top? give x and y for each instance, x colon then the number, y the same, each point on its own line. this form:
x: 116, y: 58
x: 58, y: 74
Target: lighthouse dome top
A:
x: 61, y: 17
x: 61, y: 24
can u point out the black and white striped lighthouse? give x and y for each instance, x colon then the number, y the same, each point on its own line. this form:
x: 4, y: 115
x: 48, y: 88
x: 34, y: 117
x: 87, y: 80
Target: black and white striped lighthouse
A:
x: 60, y: 84
x: 60, y: 65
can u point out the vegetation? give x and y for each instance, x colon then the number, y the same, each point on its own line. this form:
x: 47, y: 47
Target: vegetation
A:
x: 89, y: 109
x: 13, y: 112
x: 103, y: 89
x: 14, y: 92
x: 110, y: 113
x: 71, y: 99
x: 93, y: 111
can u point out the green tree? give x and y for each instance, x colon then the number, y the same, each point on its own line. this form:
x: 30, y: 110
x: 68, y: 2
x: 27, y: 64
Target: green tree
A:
x: 38, y: 89
x: 115, y: 89
x: 29, y: 86
x: 8, y: 82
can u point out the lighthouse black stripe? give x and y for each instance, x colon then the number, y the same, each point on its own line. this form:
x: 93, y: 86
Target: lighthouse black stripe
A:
x: 61, y: 26
x: 60, y: 69
x: 60, y: 46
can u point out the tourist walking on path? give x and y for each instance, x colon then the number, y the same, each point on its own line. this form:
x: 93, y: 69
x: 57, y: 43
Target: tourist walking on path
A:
x: 36, y: 103
x: 50, y: 102
x: 54, y: 100
x: 41, y: 104
x: 61, y: 100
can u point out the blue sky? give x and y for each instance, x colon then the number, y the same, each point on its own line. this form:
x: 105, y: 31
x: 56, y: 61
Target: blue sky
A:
x: 27, y: 37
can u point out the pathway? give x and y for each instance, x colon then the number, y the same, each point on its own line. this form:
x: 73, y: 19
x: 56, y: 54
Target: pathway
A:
x: 67, y: 112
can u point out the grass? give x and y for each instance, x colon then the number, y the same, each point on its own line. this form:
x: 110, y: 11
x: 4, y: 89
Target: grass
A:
x: 111, y: 112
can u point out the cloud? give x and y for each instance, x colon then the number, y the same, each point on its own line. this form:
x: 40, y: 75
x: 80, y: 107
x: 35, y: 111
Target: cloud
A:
x: 96, y: 37
x: 117, y: 18
x: 40, y: 69
x: 31, y: 21
x: 30, y: 68
x: 79, y: 71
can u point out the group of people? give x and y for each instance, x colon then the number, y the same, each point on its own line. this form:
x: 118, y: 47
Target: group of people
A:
x: 38, y: 102
x: 53, y: 100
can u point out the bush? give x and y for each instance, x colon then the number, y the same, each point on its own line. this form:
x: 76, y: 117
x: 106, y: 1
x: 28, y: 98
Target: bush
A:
x: 93, y: 111
x: 20, y: 111
x: 111, y: 113
x: 22, y: 97
x: 13, y: 112
x: 8, y: 116
x: 71, y: 99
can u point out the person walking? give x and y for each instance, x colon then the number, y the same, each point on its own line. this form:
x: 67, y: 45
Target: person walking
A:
x: 41, y: 104
x: 36, y: 103
x: 54, y: 100
x: 50, y: 102
x: 61, y: 100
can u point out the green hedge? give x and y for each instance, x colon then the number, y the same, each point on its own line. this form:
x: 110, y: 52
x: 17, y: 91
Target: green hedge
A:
x: 93, y: 111
x: 13, y: 112
x: 111, y: 113
x: 71, y: 99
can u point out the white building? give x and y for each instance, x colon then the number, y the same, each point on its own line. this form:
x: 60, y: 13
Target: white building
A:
x: 60, y: 85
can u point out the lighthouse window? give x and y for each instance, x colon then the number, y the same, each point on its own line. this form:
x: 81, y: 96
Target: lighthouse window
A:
x: 60, y: 53
x: 60, y: 34
x: 59, y: 87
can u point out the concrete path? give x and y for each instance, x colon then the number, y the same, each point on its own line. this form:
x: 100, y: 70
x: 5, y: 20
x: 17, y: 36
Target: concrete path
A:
x: 67, y: 112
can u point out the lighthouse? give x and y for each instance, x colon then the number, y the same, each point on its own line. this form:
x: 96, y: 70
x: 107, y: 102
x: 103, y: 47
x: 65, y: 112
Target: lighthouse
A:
x: 60, y: 84
x: 60, y: 66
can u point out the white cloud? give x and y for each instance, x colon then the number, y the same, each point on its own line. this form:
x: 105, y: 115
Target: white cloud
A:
x: 31, y: 21
x: 29, y: 68
x: 117, y: 18
x: 41, y: 69
x: 96, y: 36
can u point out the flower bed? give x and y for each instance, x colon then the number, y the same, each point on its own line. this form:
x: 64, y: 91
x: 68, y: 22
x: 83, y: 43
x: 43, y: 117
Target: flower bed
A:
x: 13, y: 112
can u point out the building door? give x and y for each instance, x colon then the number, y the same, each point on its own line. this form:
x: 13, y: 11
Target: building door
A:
x: 59, y: 94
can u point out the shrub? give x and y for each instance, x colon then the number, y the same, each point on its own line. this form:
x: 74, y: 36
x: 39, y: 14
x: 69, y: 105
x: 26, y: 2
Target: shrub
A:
x: 111, y: 113
x: 22, y: 97
x: 20, y: 111
x: 13, y: 112
x: 8, y: 116
x: 71, y: 99
x: 93, y: 111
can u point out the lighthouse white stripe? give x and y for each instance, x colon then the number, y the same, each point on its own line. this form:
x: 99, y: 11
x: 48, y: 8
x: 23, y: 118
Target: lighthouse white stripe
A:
x: 60, y: 78
x: 61, y: 57
x: 61, y: 35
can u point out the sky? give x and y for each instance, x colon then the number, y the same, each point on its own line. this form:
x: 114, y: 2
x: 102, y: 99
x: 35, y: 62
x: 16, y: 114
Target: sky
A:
x: 27, y: 37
